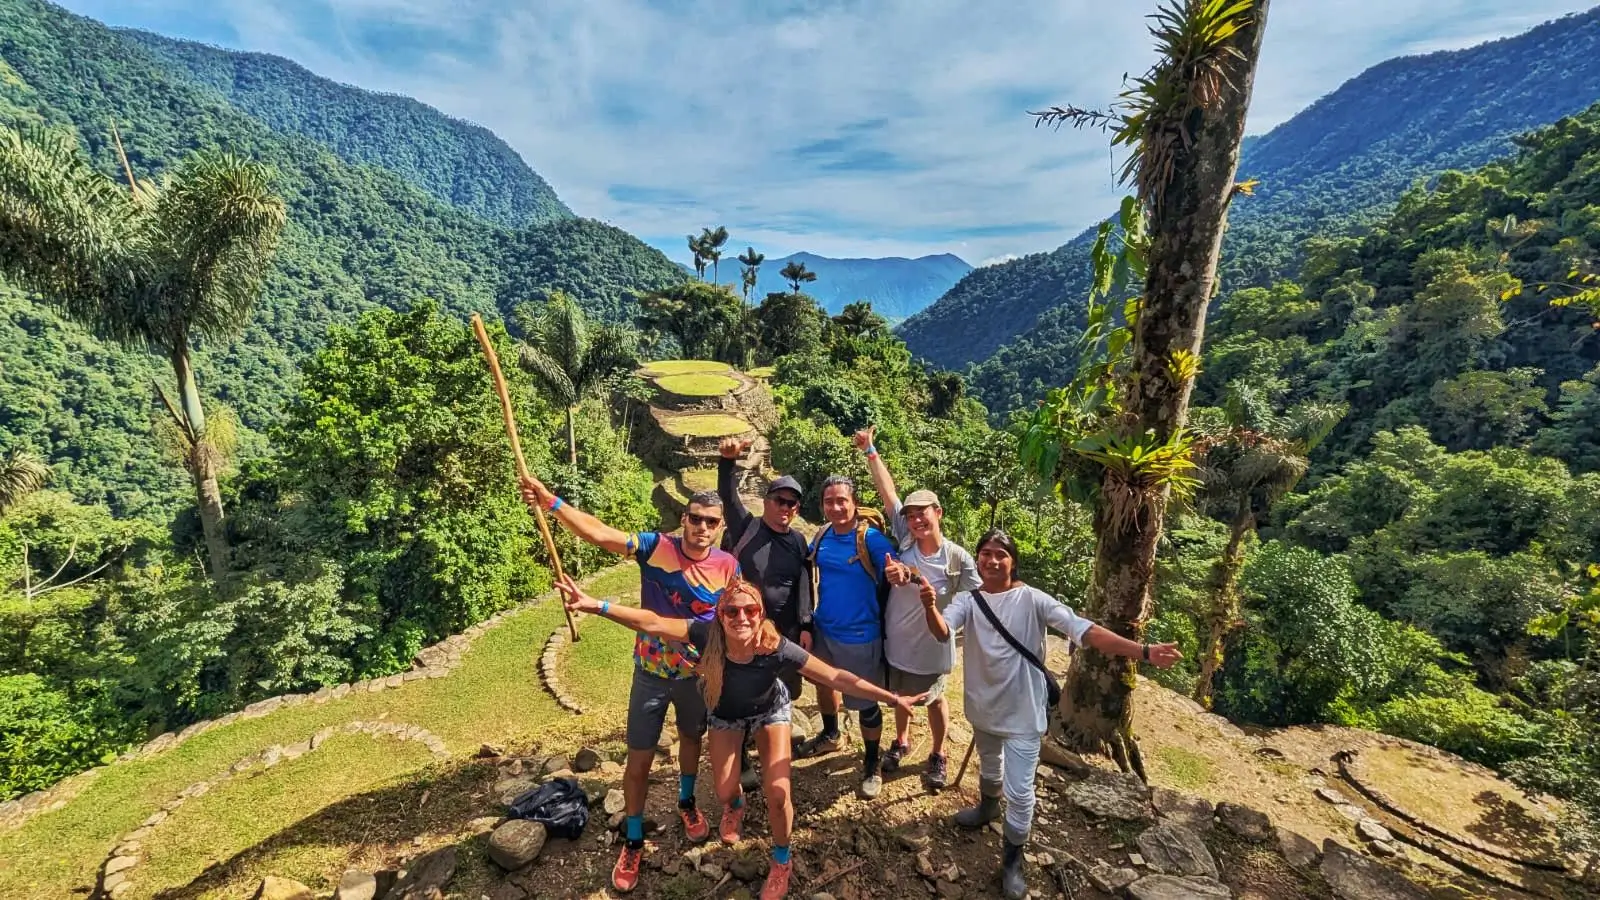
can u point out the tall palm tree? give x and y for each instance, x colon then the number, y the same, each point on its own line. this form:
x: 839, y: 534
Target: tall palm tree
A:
x: 713, y: 241
x: 152, y: 265
x: 796, y: 274
x: 570, y: 357
x: 751, y: 260
x: 697, y: 246
x: 21, y: 473
x: 858, y: 319
x: 1250, y: 456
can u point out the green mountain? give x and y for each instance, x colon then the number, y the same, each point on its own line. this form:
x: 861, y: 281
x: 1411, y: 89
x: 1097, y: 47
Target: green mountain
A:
x: 458, y: 162
x: 897, y: 287
x: 359, y: 236
x: 1335, y: 166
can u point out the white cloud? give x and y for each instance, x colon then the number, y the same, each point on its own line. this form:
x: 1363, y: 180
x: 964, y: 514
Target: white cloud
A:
x: 709, y: 101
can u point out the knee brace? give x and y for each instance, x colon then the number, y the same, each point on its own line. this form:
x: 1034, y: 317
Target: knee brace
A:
x: 872, y: 718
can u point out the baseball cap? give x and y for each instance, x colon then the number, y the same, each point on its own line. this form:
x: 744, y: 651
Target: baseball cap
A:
x: 785, y: 483
x: 919, y: 498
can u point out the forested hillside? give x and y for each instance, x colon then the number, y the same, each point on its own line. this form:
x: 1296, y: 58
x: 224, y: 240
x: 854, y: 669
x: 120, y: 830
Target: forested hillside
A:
x: 358, y: 236
x: 896, y: 287
x: 1332, y: 167
x: 458, y: 162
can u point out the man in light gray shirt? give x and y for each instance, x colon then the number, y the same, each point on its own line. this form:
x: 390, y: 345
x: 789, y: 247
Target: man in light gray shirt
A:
x: 1006, y: 696
x: 918, y: 662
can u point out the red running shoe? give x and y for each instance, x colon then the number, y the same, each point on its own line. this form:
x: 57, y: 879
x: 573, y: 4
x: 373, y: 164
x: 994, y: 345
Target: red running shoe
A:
x: 777, y: 886
x: 695, y: 827
x: 625, y: 874
x: 732, y: 820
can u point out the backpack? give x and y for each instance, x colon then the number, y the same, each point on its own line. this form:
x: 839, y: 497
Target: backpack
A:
x: 864, y: 518
x: 560, y: 806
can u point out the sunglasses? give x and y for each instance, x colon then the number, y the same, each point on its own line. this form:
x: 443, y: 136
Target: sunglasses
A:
x: 785, y: 502
x: 702, y: 521
x: 741, y: 612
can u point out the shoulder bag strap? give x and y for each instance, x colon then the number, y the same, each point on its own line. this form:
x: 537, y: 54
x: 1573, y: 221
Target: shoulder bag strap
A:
x: 1015, y: 644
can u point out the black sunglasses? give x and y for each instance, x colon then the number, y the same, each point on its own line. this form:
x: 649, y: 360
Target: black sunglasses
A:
x: 785, y: 502
x: 702, y: 521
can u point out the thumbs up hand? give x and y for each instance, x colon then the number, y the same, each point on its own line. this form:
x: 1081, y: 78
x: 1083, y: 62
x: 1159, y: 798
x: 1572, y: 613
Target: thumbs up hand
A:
x: 896, y: 572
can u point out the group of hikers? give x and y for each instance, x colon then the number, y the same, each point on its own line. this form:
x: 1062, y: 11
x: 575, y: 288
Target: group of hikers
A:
x: 867, y: 608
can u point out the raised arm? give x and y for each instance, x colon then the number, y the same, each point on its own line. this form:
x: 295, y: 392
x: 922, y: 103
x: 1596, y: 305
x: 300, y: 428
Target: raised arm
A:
x: 576, y: 520
x: 840, y: 680
x: 736, y: 516
x: 881, y: 479
x: 638, y: 619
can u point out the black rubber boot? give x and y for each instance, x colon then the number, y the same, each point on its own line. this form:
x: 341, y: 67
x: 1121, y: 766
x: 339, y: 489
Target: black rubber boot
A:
x: 987, y: 810
x: 1012, y: 884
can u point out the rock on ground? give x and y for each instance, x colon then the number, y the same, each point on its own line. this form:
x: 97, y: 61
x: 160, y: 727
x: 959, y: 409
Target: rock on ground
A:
x: 1111, y: 795
x: 586, y: 760
x: 274, y: 888
x: 1175, y: 850
x: 356, y: 885
x: 516, y: 843
x: 1250, y: 824
x: 1355, y: 877
x: 1169, y: 887
x: 426, y: 876
x: 1373, y: 830
x: 1194, y: 813
x: 1298, y: 849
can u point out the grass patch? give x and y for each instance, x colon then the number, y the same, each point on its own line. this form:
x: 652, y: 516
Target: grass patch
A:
x: 698, y: 384
x: 708, y: 425
x: 763, y: 372
x: 700, y: 479
x: 494, y: 696
x: 682, y: 367
x: 1183, y: 769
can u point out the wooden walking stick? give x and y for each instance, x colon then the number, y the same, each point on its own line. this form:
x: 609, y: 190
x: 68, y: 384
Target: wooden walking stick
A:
x: 516, y: 449
x: 967, y: 758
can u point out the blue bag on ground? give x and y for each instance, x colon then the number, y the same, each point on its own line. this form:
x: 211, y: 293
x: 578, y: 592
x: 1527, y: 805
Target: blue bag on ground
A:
x: 560, y: 806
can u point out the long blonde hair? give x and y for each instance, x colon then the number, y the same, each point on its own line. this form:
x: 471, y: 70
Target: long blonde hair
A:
x: 715, y: 657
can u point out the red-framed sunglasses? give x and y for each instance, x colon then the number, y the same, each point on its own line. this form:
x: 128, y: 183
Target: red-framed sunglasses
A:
x: 751, y: 612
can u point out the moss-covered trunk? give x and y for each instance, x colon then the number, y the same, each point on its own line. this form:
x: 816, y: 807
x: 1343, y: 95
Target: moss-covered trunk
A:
x: 1224, y: 601
x: 1188, y: 214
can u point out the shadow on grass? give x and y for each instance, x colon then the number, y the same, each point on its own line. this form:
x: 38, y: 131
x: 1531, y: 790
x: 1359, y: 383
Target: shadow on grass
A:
x: 1507, y: 824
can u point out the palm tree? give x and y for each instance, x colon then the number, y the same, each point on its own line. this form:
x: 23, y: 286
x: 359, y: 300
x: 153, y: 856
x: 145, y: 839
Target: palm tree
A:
x: 1249, y: 458
x: 570, y: 357
x: 751, y: 260
x: 697, y: 246
x: 712, y: 243
x: 797, y: 274
x: 858, y: 319
x: 155, y: 265
x: 21, y: 473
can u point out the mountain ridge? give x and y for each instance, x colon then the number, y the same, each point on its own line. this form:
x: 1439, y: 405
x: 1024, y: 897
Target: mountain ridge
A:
x: 897, y: 286
x: 1447, y: 109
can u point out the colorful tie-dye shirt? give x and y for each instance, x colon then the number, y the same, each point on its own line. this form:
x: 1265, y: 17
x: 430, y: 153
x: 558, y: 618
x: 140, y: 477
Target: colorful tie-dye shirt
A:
x: 677, y: 586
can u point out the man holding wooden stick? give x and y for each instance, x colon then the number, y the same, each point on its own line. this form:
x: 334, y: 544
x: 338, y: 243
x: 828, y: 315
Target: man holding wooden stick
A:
x: 681, y: 578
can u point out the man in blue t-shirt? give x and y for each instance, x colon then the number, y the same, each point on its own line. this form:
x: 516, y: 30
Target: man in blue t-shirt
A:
x: 853, y: 564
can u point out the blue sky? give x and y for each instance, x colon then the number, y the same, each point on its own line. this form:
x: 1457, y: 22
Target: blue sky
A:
x: 842, y: 127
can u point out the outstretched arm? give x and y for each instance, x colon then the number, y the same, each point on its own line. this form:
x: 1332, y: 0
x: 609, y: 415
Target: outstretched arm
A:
x: 881, y: 479
x: 840, y: 680
x: 638, y: 619
x: 1112, y: 644
x: 736, y: 517
x: 576, y: 520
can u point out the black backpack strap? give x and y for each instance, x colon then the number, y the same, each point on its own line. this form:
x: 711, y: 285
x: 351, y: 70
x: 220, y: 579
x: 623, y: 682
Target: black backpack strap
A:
x: 1015, y: 644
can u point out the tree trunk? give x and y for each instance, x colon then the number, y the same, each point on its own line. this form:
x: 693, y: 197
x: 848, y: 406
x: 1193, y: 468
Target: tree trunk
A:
x: 1224, y: 610
x: 572, y: 439
x: 1188, y: 214
x: 203, y: 462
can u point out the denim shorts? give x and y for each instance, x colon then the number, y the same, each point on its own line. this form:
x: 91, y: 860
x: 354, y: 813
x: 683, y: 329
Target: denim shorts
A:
x: 780, y: 714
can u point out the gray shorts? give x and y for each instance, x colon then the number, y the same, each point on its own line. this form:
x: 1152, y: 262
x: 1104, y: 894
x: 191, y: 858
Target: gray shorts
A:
x: 647, y: 708
x: 902, y: 682
x: 865, y: 661
x: 779, y: 714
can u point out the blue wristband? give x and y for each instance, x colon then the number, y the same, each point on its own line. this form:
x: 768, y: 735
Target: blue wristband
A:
x: 605, y: 607
x: 556, y: 504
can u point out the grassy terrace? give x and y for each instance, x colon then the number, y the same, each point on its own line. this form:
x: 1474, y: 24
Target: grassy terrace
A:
x: 699, y: 384
x: 494, y: 696
x: 665, y: 367
x: 708, y: 425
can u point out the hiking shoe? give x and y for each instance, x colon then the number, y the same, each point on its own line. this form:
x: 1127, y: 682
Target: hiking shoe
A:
x: 822, y: 743
x: 987, y: 810
x: 934, y: 778
x: 1012, y: 882
x: 625, y: 874
x: 777, y: 886
x: 695, y: 827
x: 732, y: 820
x: 892, y: 756
x: 871, y: 786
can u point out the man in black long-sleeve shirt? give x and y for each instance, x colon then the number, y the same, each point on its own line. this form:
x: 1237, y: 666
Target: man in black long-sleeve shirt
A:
x: 771, y: 555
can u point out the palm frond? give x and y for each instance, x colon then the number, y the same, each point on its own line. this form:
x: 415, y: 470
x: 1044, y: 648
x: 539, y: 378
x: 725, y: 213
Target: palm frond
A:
x: 548, y: 372
x: 219, y: 222
x: 21, y: 473
x: 564, y: 332
x: 68, y: 232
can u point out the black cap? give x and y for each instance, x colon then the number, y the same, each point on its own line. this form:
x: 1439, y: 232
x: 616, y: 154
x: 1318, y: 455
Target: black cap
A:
x: 786, y: 483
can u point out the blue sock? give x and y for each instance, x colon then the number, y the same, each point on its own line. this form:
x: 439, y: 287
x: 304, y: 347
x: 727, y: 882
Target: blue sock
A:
x: 685, y: 788
x: 738, y: 801
x: 780, y: 855
x: 635, y: 826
